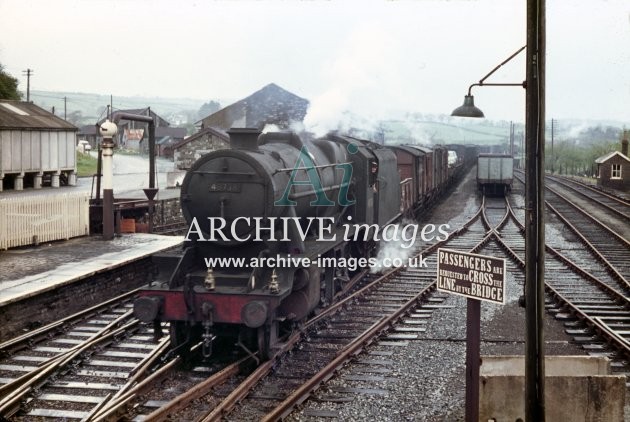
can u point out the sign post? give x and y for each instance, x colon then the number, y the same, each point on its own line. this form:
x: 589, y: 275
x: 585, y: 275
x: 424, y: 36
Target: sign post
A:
x: 477, y: 277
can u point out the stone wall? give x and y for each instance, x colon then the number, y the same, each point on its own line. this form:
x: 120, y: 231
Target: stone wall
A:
x: 186, y: 154
x: 33, y: 312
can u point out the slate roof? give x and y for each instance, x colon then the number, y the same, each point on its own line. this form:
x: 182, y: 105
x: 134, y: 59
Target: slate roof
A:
x: 608, y: 156
x: 211, y: 130
x: 269, y: 105
x: 25, y: 115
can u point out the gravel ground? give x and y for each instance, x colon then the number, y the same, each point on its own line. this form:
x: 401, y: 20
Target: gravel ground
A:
x: 427, y: 381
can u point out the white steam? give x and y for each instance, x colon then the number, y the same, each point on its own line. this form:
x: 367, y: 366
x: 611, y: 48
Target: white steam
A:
x: 363, y: 78
x: 393, y: 253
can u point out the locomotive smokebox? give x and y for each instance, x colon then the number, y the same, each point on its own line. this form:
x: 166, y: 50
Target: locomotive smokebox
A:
x: 244, y: 138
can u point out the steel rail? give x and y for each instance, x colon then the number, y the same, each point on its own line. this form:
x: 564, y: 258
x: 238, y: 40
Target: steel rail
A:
x: 390, y: 273
x: 613, y: 233
x: 606, y: 206
x: 620, y: 296
x: 595, y: 323
x: 14, y: 344
x: 43, y: 365
x: 26, y: 383
x: 380, y: 327
x: 181, y: 402
x: 137, y: 373
x: 613, y: 270
x: 245, y: 387
x: 146, y: 384
x: 621, y: 201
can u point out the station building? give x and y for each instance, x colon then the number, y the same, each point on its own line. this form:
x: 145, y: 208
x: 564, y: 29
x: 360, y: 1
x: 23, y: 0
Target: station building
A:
x: 37, y: 148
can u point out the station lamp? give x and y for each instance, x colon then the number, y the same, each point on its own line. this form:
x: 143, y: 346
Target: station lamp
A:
x: 468, y: 109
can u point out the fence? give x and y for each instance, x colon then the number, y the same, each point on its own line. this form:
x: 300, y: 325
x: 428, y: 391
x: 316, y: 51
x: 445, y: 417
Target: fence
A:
x: 26, y: 220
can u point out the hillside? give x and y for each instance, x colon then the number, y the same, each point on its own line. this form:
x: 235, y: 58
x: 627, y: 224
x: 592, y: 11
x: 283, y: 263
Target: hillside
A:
x: 87, y: 108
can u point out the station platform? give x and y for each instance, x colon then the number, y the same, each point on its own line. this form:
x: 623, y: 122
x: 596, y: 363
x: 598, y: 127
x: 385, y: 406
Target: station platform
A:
x: 29, y: 271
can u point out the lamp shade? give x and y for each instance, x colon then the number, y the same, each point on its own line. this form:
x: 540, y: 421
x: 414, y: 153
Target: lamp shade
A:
x: 468, y: 109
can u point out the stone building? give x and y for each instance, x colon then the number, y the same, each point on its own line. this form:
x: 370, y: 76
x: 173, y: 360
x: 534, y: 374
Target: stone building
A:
x: 613, y: 169
x: 187, y: 151
x: 270, y: 105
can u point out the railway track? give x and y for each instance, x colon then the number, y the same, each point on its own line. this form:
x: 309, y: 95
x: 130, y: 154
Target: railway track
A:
x: 389, y: 310
x: 589, y: 293
x: 326, y: 340
x: 589, y: 188
x: 618, y: 207
x: 602, y: 238
x: 592, y: 312
x: 75, y: 367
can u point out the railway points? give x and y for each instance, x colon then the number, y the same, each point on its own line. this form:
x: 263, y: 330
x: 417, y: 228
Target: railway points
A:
x: 412, y: 366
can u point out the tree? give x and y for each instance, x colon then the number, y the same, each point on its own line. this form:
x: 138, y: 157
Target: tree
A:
x: 8, y: 86
x: 75, y: 117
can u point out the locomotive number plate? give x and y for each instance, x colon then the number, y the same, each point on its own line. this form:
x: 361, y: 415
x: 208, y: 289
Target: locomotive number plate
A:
x: 225, y: 187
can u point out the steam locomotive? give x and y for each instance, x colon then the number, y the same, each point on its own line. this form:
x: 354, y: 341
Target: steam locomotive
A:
x: 278, y: 198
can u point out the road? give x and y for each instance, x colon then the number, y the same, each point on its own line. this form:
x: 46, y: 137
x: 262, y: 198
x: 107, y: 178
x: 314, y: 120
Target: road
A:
x: 131, y: 175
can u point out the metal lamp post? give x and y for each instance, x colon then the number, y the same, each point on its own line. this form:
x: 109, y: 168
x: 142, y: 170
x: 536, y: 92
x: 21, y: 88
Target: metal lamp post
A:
x: 534, y: 204
x: 108, y: 130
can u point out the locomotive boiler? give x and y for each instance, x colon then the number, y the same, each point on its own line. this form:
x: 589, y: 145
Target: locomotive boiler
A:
x: 270, y: 198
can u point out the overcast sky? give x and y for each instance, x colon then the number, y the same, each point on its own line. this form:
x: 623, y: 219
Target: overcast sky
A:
x: 372, y: 57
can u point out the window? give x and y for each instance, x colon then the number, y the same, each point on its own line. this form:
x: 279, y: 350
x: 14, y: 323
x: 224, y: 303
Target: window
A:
x: 616, y: 171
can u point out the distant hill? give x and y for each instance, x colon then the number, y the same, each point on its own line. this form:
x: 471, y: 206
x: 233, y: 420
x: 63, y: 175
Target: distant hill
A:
x: 87, y: 108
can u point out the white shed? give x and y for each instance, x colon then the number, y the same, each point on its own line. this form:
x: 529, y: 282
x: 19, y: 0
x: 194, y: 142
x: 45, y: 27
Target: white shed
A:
x: 35, y: 147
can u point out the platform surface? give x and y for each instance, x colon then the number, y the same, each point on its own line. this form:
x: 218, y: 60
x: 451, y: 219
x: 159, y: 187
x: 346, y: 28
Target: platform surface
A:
x: 28, y: 271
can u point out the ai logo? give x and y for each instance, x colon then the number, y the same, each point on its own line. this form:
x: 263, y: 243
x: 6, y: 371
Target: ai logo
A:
x: 305, y: 162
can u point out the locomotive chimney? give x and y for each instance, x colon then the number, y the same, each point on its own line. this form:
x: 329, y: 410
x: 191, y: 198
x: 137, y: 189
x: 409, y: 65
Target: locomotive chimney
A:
x: 244, y: 138
x: 624, y: 144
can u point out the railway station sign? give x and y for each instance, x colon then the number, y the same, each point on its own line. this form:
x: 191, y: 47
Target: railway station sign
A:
x: 473, y: 276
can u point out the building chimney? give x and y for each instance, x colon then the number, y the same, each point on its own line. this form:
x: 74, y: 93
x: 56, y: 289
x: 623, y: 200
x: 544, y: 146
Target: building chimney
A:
x: 624, y: 143
x: 244, y: 138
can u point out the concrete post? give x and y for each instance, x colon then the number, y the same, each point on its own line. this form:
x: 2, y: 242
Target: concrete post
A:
x: 37, y: 182
x: 55, y: 180
x: 19, y: 182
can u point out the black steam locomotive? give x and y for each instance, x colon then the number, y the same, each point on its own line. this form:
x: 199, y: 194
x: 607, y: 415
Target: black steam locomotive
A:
x: 263, y: 214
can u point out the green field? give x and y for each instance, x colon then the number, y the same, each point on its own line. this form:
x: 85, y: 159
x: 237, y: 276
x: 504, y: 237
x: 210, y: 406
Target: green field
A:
x: 92, y: 107
x: 431, y: 132
x: 86, y: 165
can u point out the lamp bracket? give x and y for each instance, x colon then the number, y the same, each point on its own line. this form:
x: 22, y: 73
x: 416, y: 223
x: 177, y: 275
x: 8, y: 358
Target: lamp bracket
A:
x: 502, y: 63
x: 523, y: 84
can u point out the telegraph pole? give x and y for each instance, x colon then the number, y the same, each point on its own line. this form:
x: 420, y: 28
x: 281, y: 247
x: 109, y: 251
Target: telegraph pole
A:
x: 535, y: 213
x: 28, y: 73
x: 552, y: 158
